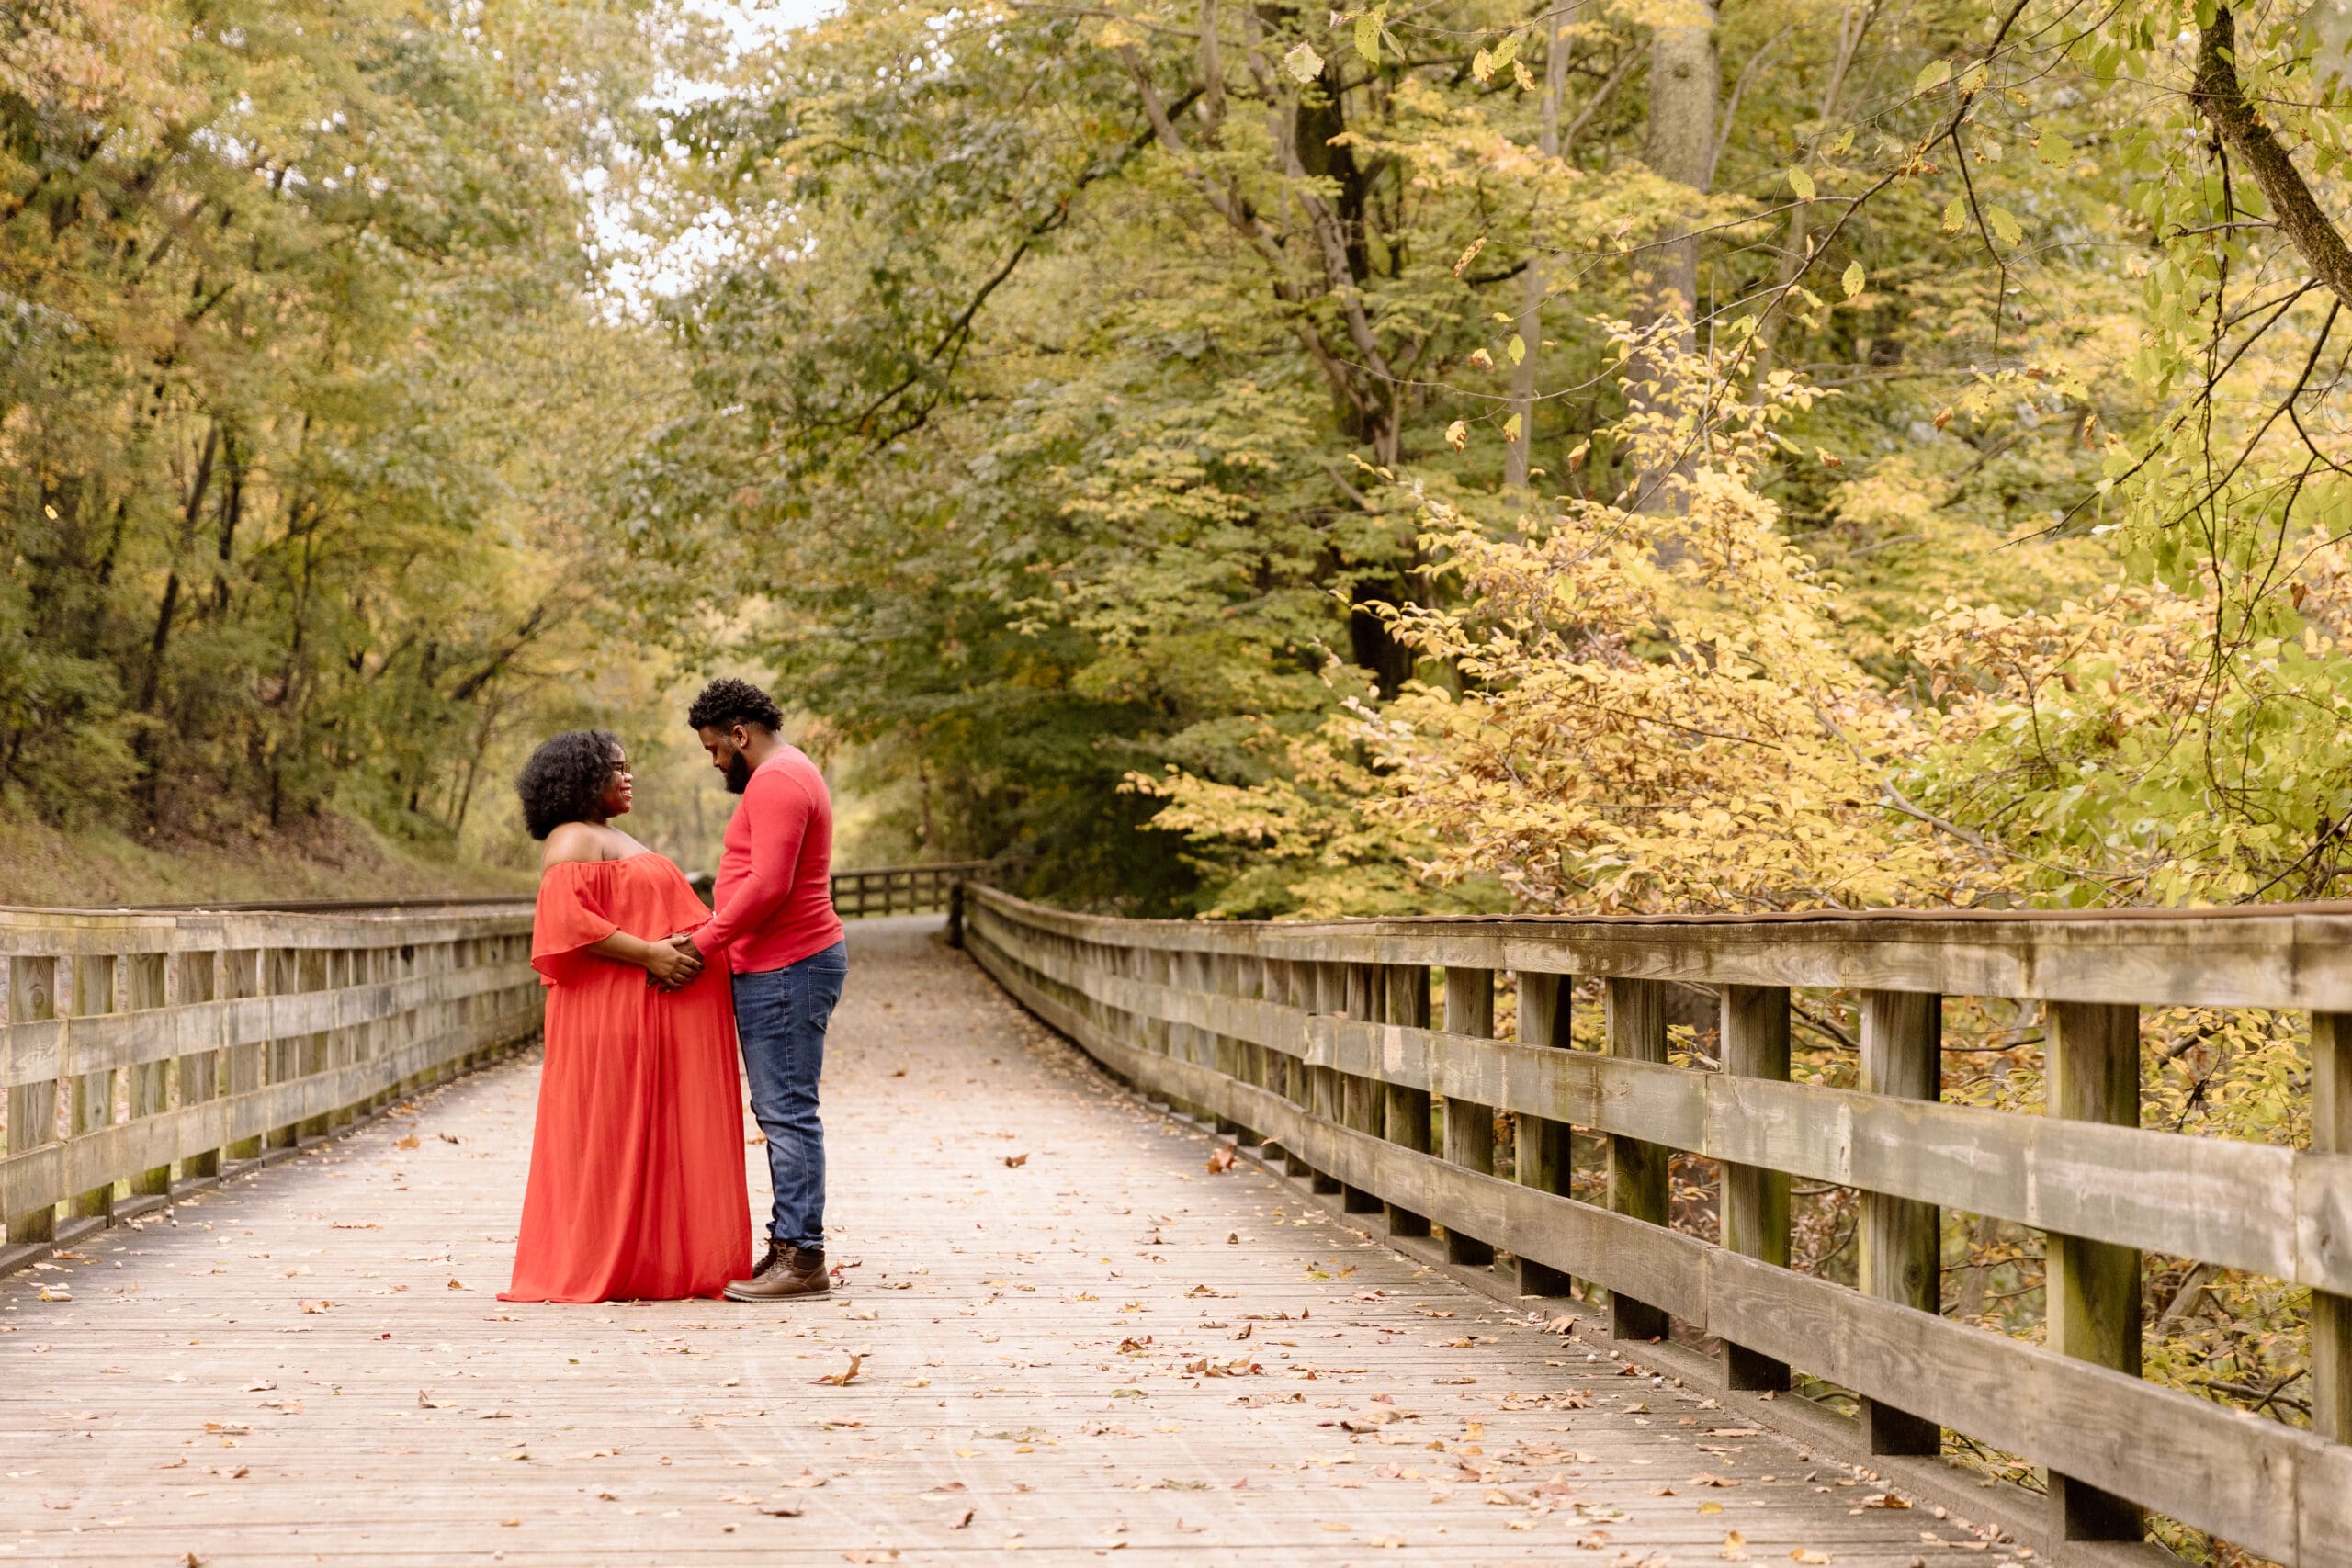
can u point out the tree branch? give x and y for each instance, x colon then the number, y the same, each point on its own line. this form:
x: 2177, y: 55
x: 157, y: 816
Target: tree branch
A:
x: 2220, y: 97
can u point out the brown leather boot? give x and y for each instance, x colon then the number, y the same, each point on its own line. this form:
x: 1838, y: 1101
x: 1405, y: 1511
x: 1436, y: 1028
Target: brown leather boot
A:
x: 786, y: 1271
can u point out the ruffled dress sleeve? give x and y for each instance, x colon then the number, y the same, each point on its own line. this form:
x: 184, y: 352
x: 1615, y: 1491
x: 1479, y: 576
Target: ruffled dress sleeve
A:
x: 570, y: 916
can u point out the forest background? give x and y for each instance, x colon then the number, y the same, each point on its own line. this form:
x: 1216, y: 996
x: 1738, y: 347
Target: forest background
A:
x: 1248, y: 459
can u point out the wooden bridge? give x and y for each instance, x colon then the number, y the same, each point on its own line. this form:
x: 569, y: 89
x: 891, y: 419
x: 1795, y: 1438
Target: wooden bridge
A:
x: 263, y: 1170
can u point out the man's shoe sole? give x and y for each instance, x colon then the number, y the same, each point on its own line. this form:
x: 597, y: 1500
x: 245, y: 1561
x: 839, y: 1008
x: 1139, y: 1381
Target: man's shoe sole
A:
x: 754, y: 1298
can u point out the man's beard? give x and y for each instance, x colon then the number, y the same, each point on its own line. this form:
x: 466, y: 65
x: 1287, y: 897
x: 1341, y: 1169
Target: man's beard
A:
x: 739, y: 774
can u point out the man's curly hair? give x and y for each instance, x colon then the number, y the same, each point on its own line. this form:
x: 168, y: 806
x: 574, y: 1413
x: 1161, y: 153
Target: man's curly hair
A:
x: 565, y: 778
x: 726, y: 702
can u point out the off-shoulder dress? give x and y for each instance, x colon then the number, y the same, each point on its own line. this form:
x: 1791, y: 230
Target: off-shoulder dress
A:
x: 637, y: 1185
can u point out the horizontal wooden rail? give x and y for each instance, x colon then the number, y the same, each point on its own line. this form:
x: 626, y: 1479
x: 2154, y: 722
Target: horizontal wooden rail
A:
x: 905, y: 889
x: 139, y: 1049
x: 1294, y: 1032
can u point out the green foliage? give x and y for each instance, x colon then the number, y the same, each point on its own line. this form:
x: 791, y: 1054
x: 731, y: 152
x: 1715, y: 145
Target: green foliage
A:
x: 300, y: 399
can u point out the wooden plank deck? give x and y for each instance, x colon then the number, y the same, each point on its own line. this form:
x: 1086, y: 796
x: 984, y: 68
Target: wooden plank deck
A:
x: 1076, y: 1340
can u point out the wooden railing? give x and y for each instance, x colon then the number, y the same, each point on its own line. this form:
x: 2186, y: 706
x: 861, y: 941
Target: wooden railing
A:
x: 1317, y: 1040
x: 141, y: 1049
x: 904, y: 889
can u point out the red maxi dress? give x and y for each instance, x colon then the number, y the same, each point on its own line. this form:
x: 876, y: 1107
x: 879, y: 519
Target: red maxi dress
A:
x: 637, y: 1187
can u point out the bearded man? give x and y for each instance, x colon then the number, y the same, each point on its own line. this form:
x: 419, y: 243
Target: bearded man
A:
x: 775, y: 929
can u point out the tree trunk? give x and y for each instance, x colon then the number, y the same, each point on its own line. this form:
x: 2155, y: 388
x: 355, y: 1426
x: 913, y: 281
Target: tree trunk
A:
x: 152, y: 686
x: 1520, y: 453
x: 1685, y: 83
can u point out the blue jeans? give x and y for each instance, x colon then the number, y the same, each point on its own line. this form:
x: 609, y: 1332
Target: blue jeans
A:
x: 780, y: 1017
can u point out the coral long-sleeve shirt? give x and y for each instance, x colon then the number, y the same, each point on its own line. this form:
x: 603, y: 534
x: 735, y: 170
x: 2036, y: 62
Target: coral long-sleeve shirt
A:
x: 774, y: 893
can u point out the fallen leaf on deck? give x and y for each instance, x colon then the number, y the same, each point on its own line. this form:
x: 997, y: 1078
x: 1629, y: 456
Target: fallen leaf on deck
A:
x: 1734, y: 1547
x: 1016, y: 1161
x: 842, y: 1379
x: 455, y: 1286
x: 316, y: 1306
x: 781, y: 1508
x: 1221, y: 1159
x: 871, y: 1555
x: 1808, y: 1555
x: 960, y: 1520
x: 804, y: 1480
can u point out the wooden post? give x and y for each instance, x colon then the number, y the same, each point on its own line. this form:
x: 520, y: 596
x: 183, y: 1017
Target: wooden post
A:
x: 1637, y: 1170
x: 150, y: 1081
x: 2331, y: 1328
x: 285, y: 1052
x: 955, y: 913
x: 1755, y: 1201
x: 196, y: 980
x: 1901, y: 1241
x: 92, y: 1099
x: 1325, y: 986
x: 1469, y: 1126
x: 32, y: 1107
x: 1405, y: 1108
x: 1292, y: 982
x: 242, y: 976
x: 1362, y: 1106
x: 2092, y: 1074
x: 1237, y: 1059
x: 1541, y: 1158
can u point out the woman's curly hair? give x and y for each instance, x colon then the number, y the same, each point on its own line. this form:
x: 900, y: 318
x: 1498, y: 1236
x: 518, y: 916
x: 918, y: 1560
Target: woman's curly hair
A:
x: 565, y: 778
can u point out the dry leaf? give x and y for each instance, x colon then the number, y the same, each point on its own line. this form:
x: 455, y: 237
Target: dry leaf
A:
x: 1808, y: 1555
x: 1221, y: 1159
x: 781, y: 1508
x: 960, y: 1520
x: 1016, y: 1161
x: 842, y: 1379
x: 316, y: 1306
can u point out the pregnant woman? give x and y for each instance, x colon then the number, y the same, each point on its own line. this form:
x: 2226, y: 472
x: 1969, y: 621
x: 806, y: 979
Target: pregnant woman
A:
x: 637, y: 1167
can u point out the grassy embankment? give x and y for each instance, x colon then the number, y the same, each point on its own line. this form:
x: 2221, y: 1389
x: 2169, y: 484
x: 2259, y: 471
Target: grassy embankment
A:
x: 334, y: 858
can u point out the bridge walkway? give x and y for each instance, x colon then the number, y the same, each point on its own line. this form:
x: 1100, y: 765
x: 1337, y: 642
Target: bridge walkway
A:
x: 1066, y: 1335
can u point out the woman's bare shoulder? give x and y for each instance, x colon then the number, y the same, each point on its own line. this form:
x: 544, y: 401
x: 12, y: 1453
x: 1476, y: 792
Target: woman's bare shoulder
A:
x: 576, y: 841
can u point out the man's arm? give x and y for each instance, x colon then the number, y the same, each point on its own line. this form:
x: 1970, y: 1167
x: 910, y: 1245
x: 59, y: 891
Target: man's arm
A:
x: 779, y: 811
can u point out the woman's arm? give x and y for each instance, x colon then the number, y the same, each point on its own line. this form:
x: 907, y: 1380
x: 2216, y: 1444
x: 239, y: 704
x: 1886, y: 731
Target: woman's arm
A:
x: 668, y: 966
